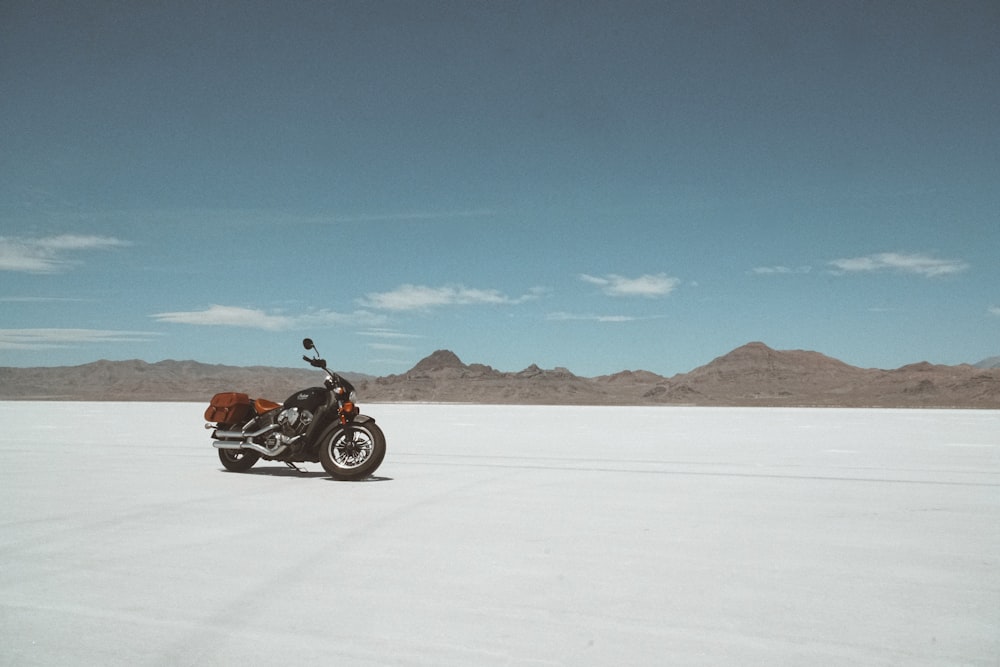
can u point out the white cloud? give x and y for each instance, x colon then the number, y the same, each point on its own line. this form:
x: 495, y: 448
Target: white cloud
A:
x: 40, y: 339
x: 387, y: 333
x: 227, y: 316
x: 253, y: 318
x: 422, y: 297
x: 902, y: 262
x: 415, y: 216
x: 994, y: 310
x: 49, y: 254
x: 574, y: 317
x: 780, y: 270
x: 648, y: 285
x: 388, y: 347
x: 38, y: 299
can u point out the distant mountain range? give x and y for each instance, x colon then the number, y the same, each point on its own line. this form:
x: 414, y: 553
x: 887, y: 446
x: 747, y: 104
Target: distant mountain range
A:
x: 992, y: 362
x: 751, y: 375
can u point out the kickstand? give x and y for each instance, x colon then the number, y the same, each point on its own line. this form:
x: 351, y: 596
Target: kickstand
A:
x: 295, y: 467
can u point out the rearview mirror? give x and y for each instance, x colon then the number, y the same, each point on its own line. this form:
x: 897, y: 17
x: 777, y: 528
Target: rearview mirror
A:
x: 307, y: 343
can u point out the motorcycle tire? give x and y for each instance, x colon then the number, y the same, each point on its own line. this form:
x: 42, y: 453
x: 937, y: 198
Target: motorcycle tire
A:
x: 355, y: 459
x: 238, y: 460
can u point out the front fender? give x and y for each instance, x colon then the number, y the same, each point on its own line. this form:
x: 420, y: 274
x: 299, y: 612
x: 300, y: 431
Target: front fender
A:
x: 330, y: 418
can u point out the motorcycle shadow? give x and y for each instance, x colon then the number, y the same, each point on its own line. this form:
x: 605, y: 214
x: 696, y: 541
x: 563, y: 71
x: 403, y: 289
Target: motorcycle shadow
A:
x: 370, y: 478
x: 275, y: 471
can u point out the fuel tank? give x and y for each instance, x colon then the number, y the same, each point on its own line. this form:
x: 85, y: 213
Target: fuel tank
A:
x: 310, y: 399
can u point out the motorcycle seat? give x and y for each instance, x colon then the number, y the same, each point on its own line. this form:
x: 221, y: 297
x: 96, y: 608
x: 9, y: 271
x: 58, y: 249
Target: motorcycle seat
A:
x: 262, y: 405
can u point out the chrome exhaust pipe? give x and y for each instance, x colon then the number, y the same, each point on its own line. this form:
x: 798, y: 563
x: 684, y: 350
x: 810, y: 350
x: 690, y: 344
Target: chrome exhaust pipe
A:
x: 282, y: 445
x: 260, y: 449
x: 237, y: 435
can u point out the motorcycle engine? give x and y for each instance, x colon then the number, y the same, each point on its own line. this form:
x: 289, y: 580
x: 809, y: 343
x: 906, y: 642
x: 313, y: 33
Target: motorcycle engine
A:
x: 294, y: 421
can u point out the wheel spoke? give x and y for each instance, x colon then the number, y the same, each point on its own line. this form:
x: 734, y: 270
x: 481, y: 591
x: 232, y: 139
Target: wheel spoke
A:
x: 352, y: 453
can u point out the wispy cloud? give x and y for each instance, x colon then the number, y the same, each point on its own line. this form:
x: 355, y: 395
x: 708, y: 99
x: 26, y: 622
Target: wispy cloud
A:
x: 561, y: 316
x: 388, y: 333
x: 423, y: 297
x: 994, y: 310
x: 384, y: 334
x: 270, y: 218
x: 411, y: 216
x: 915, y: 263
x: 253, y: 318
x: 388, y: 347
x: 228, y: 316
x: 50, y: 254
x: 41, y: 339
x: 780, y: 270
x: 39, y: 299
x: 648, y: 285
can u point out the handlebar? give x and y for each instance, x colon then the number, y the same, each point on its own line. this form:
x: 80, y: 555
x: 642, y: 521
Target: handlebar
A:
x: 317, y: 363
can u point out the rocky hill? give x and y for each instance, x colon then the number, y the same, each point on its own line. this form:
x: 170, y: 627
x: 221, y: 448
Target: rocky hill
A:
x: 141, y: 381
x: 992, y: 362
x: 754, y: 374
x: 751, y: 375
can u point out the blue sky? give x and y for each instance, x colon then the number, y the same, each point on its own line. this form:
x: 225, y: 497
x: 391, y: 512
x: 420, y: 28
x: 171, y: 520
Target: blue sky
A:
x: 595, y: 185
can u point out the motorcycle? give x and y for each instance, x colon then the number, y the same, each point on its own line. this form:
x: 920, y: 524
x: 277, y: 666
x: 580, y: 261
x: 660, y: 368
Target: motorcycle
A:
x: 318, y: 424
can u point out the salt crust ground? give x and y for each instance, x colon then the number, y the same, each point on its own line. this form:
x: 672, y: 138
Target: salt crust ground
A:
x: 506, y: 535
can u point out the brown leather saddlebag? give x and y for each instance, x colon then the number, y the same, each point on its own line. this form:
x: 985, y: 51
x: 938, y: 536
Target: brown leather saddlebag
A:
x: 230, y: 407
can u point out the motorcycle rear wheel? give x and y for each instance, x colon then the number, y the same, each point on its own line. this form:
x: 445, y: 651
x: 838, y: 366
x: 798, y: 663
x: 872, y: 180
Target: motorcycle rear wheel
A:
x: 352, y: 459
x: 238, y: 460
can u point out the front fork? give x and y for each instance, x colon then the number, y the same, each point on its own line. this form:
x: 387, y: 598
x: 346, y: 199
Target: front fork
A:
x: 347, y: 411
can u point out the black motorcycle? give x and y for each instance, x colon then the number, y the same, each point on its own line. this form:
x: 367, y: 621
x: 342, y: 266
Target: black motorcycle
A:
x: 318, y: 424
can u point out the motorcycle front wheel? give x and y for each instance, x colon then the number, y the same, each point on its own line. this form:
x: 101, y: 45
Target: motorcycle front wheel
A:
x: 355, y: 456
